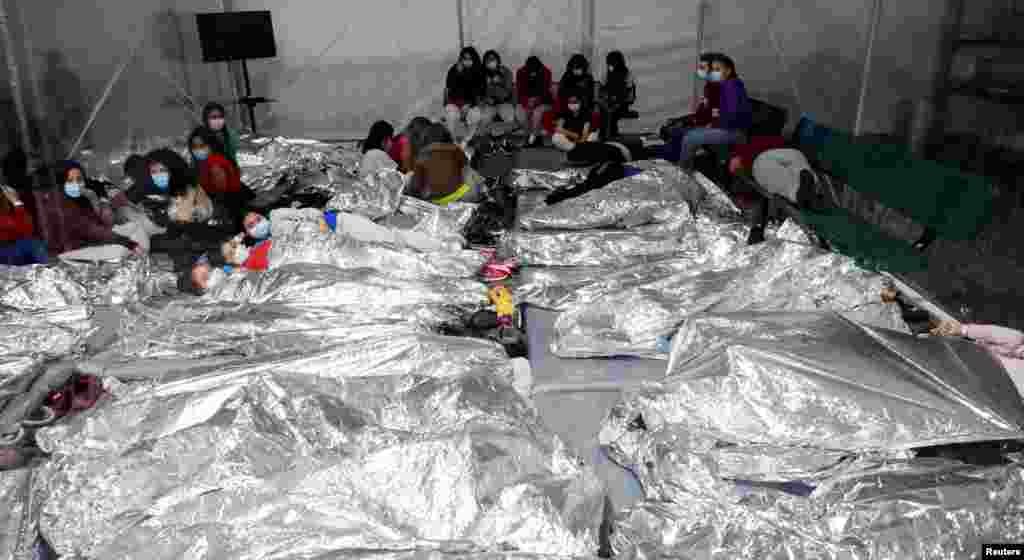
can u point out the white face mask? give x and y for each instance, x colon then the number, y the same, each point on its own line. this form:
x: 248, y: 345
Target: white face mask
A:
x: 217, y: 124
x: 492, y: 65
x: 574, y: 108
x: 577, y: 72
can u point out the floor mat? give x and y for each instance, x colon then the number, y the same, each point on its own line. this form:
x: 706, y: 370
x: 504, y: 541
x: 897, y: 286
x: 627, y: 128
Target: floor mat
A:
x: 586, y: 391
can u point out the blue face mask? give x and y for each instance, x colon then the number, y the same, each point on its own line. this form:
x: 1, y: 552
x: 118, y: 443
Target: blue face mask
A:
x: 200, y: 155
x: 73, y: 190
x: 260, y: 230
x: 715, y: 76
x: 161, y: 180
x: 702, y: 74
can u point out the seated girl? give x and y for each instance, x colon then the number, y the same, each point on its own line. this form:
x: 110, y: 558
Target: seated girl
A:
x: 213, y: 118
x: 734, y: 118
x: 218, y: 176
x: 573, y: 126
x: 617, y: 94
x: 18, y: 246
x: 87, y: 220
x: 464, y: 89
x: 375, y: 149
x: 533, y: 88
x: 195, y: 223
x: 442, y: 174
x: 498, y: 90
x: 577, y: 82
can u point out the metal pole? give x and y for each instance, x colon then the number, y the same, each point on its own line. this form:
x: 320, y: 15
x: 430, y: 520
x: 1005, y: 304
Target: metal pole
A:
x: 103, y: 98
x: 701, y: 18
x: 589, y: 41
x: 225, y: 6
x: 15, y: 80
x: 876, y: 17
x: 248, y: 98
x: 462, y: 31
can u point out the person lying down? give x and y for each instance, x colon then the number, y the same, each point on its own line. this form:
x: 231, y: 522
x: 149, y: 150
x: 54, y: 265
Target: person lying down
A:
x: 343, y: 241
x: 332, y: 286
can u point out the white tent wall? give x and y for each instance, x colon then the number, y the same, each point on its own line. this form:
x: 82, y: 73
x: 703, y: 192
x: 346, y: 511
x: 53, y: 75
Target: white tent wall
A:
x: 659, y: 40
x: 808, y: 55
x: 343, y: 65
x: 73, y: 49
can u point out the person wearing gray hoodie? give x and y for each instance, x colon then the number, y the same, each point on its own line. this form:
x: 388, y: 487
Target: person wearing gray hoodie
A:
x: 499, y: 95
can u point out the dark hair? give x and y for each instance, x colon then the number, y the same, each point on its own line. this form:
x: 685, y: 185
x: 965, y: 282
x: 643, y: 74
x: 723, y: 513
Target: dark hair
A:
x: 414, y: 132
x: 578, y: 61
x: 209, y: 137
x: 533, y: 64
x: 617, y: 59
x: 709, y: 57
x: 492, y: 54
x: 177, y: 167
x: 379, y: 132
x: 472, y: 54
x: 621, y: 71
x: 15, y: 168
x: 437, y: 133
x: 210, y: 108
x: 133, y: 164
x: 728, y: 63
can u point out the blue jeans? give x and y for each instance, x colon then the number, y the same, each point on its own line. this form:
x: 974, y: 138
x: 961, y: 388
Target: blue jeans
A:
x: 686, y: 141
x: 23, y: 252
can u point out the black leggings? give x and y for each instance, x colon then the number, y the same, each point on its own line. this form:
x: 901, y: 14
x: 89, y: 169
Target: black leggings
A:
x: 611, y: 114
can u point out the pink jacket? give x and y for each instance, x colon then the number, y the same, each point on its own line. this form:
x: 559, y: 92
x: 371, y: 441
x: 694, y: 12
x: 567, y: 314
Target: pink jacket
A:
x: 1006, y: 344
x: 1002, y: 341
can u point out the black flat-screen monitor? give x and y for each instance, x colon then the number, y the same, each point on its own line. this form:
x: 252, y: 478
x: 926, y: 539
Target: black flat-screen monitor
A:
x: 236, y: 35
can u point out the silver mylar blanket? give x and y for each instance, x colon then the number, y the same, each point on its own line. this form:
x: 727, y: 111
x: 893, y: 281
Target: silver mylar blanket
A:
x: 610, y: 319
x: 172, y: 340
x: 653, y: 196
x: 270, y: 462
x: 375, y: 196
x: 318, y: 284
x: 814, y: 397
x: 347, y: 253
x: 818, y: 380
x: 266, y: 162
x: 922, y: 508
x: 17, y: 522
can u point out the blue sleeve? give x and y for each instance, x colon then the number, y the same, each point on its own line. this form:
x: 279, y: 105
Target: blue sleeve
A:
x: 331, y: 218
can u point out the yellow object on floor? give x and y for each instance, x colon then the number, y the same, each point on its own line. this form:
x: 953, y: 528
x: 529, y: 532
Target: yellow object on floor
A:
x: 501, y: 297
x: 453, y: 197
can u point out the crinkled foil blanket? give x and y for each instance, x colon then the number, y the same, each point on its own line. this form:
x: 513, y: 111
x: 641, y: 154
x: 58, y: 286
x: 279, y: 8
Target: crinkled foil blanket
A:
x: 313, y: 411
x: 793, y: 397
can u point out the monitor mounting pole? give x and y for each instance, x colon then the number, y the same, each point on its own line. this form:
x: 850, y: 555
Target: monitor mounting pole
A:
x: 250, y: 101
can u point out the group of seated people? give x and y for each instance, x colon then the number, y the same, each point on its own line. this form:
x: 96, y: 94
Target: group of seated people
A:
x: 477, y: 92
x: 723, y: 115
x: 198, y: 199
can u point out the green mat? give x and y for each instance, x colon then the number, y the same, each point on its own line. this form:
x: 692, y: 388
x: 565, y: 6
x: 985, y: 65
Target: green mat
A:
x: 859, y: 240
x: 955, y: 204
